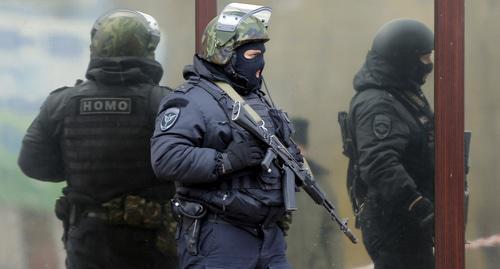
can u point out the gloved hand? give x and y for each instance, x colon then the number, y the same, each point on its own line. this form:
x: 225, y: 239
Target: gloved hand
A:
x: 242, y: 152
x: 422, y: 211
x: 285, y: 222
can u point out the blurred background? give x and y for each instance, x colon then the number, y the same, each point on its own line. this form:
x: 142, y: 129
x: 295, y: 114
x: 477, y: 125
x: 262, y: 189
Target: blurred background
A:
x: 316, y: 47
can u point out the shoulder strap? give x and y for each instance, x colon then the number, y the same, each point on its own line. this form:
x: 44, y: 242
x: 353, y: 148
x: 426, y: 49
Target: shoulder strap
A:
x: 220, y: 90
x: 237, y: 98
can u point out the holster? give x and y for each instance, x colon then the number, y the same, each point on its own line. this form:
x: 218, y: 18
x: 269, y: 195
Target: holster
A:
x: 62, y: 210
x: 189, y: 216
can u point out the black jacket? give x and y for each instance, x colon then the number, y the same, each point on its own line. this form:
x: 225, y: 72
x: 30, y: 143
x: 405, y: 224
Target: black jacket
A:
x: 95, y: 135
x: 187, y: 149
x: 392, y: 124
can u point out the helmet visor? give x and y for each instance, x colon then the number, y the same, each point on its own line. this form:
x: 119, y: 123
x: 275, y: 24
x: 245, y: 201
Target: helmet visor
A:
x: 232, y: 15
x: 153, y: 27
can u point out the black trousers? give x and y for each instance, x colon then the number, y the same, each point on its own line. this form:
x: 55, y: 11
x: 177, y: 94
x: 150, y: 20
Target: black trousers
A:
x: 395, y: 241
x: 92, y: 244
x: 225, y: 246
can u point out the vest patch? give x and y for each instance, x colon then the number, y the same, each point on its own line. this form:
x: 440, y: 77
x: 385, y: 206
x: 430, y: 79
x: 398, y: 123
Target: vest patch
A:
x: 105, y: 105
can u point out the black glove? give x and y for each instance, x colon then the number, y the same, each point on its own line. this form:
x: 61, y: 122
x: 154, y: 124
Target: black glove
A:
x: 422, y: 211
x: 285, y: 222
x: 242, y: 152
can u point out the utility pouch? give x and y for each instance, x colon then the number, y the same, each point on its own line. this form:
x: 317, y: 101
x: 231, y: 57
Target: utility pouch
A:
x: 133, y: 210
x: 284, y: 127
x: 136, y: 211
x: 152, y: 217
x: 115, y: 211
x: 62, y: 210
x: 189, y: 214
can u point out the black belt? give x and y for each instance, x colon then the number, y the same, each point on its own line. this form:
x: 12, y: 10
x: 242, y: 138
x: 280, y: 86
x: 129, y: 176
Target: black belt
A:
x: 254, y: 229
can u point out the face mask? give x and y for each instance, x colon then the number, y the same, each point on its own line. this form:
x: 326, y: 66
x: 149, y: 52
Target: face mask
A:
x: 247, y: 68
x: 421, y: 71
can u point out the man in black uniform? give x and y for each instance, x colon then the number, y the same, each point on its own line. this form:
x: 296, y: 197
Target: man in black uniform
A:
x: 95, y: 136
x: 228, y: 208
x: 391, y: 169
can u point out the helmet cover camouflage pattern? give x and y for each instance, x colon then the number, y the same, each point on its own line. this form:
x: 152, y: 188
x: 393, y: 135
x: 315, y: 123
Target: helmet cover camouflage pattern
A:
x: 124, y: 33
x: 218, y: 46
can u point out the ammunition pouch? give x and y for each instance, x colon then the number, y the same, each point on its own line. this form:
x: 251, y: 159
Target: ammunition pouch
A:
x: 135, y: 211
x: 284, y: 127
x: 189, y: 216
x: 130, y: 210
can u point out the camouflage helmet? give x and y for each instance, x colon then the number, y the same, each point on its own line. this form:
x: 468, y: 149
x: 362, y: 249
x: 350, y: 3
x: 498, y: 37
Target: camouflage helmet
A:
x: 124, y: 32
x: 237, y: 25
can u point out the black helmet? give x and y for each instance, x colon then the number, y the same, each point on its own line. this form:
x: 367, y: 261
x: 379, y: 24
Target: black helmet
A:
x: 403, y: 41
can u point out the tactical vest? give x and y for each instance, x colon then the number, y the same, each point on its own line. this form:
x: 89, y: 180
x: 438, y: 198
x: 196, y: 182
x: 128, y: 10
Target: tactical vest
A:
x: 245, y: 195
x: 276, y: 123
x: 105, y: 140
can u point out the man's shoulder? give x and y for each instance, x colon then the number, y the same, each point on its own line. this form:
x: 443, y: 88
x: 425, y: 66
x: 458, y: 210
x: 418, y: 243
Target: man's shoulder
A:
x: 193, y: 90
x: 163, y: 89
x: 374, y: 97
x: 60, y: 90
x: 374, y: 101
x: 66, y: 89
x: 157, y: 93
x: 188, y: 94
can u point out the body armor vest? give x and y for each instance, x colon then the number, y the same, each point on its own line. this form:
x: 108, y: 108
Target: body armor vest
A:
x: 245, y: 195
x: 105, y: 140
x: 274, y: 122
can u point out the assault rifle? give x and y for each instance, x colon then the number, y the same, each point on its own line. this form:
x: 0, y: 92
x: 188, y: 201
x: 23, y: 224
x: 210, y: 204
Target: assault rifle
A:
x: 296, y: 174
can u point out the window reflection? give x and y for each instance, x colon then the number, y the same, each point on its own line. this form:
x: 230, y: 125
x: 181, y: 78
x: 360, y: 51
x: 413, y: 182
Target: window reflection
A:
x: 315, y: 51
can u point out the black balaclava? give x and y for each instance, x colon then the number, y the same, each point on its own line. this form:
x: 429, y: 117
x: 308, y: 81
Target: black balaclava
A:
x: 245, y: 70
x: 420, y: 71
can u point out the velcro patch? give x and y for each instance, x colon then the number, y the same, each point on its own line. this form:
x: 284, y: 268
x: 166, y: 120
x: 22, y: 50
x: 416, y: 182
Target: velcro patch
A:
x: 382, y: 126
x: 105, y: 105
x: 170, y: 116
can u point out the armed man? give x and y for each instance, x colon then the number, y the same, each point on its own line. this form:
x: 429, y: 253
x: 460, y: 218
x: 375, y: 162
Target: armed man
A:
x: 227, y: 207
x: 229, y: 151
x: 95, y: 136
x: 389, y: 138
